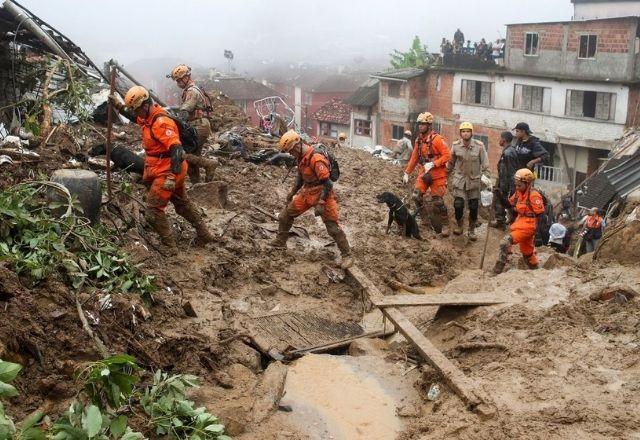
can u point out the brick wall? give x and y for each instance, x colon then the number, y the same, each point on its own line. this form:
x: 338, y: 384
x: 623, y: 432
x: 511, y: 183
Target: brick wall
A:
x: 614, y: 36
x: 440, y: 99
x: 549, y: 35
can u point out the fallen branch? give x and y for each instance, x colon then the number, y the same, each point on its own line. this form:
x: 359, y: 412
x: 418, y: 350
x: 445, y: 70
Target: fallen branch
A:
x: 480, y: 346
x: 456, y: 324
x: 85, y: 325
x: 397, y: 285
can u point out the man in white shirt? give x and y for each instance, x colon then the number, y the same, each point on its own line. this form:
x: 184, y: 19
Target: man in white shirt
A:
x: 557, y: 232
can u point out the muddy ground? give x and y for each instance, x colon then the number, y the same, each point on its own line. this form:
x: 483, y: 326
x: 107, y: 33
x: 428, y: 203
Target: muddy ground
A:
x: 570, y: 367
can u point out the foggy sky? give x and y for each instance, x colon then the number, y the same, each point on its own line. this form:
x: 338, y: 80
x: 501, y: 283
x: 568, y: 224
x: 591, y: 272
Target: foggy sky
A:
x: 286, y: 31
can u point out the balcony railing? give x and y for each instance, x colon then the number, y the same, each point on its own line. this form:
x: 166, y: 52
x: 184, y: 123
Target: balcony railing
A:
x: 552, y: 174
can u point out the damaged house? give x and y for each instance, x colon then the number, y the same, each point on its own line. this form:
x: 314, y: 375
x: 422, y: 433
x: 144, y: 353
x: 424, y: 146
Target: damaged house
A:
x: 44, y: 76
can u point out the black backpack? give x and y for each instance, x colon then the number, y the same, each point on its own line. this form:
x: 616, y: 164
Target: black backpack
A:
x: 334, y: 168
x: 187, y: 133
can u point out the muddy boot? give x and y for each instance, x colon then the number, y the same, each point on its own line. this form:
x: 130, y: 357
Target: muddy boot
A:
x: 338, y: 235
x: 158, y: 221
x: 444, y: 233
x: 210, y: 169
x: 285, y: 222
x: 194, y: 168
x: 458, y: 229
x: 472, y: 231
x: 498, y: 267
x: 531, y: 266
x: 191, y: 214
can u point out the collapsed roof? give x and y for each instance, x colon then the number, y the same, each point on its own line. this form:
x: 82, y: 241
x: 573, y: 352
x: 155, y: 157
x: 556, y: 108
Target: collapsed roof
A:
x: 21, y: 29
x: 618, y: 177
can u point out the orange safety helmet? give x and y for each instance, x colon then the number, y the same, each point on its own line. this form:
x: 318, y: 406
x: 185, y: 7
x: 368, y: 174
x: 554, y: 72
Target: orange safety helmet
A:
x: 425, y: 118
x: 180, y: 71
x: 135, y: 97
x: 525, y: 175
x: 288, y: 140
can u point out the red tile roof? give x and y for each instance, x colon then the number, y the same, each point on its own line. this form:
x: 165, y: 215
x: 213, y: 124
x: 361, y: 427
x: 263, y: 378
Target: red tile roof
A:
x: 334, y: 111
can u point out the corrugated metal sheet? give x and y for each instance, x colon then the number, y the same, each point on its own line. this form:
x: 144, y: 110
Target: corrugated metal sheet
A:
x: 625, y: 176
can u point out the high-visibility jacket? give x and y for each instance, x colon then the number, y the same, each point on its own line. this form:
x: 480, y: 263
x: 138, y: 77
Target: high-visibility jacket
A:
x: 430, y: 147
x: 314, y: 168
x: 528, y: 205
x: 157, y: 145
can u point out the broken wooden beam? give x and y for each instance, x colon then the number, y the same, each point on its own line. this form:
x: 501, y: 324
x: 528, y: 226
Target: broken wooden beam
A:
x: 446, y: 299
x: 451, y: 374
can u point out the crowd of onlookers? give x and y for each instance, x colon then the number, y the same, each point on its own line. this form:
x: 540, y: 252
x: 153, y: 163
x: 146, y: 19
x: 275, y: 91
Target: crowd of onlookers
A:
x: 481, y: 49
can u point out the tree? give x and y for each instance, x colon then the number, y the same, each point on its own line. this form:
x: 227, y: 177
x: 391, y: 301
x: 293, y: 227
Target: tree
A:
x: 416, y: 56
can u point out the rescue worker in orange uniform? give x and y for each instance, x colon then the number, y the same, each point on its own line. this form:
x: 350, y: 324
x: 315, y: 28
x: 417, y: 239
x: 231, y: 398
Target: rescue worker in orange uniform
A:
x: 528, y: 204
x: 313, y: 189
x: 164, y: 166
x: 195, y: 110
x: 430, y: 154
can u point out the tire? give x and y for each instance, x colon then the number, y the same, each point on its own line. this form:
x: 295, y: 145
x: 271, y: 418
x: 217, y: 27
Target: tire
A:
x: 83, y: 185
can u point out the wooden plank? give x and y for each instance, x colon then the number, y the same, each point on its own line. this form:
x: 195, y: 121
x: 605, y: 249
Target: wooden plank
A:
x: 447, y: 299
x: 458, y: 382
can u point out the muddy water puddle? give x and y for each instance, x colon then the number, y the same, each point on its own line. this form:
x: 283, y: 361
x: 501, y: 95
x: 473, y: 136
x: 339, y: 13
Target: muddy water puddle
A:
x: 344, y: 397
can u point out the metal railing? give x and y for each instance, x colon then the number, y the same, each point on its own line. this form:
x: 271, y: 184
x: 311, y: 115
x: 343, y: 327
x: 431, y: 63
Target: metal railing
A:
x: 552, y: 174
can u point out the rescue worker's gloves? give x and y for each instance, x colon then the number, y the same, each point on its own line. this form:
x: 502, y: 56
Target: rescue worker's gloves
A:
x: 428, y: 166
x: 177, y: 156
x: 487, y: 182
x: 405, y: 178
x: 319, y: 209
x: 169, y: 184
x: 116, y: 102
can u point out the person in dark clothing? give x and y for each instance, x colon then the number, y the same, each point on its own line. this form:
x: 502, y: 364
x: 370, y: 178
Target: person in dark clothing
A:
x: 567, y: 203
x: 507, y: 167
x: 458, y: 38
x: 530, y: 150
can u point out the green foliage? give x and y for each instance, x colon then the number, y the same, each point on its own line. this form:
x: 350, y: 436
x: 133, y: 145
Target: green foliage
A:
x: 8, y: 372
x: 172, y: 414
x: 88, y: 422
x: 38, y: 242
x: 27, y: 430
x: 416, y: 56
x: 110, y: 380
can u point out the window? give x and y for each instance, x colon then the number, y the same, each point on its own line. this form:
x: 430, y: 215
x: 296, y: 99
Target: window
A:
x: 394, y: 89
x: 334, y: 131
x: 531, y: 44
x: 476, y: 92
x: 363, y: 128
x: 588, y: 44
x: 483, y: 139
x: 325, y: 129
x: 588, y: 104
x: 397, y: 131
x: 532, y: 98
x: 438, y: 83
x: 436, y: 126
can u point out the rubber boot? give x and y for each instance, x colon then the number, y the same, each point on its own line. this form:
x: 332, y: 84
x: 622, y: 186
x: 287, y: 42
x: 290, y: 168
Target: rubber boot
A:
x: 444, y: 220
x: 338, y: 235
x: 458, y: 229
x: 191, y: 214
x: 158, y: 221
x: 498, y: 267
x: 472, y: 231
x: 285, y: 222
x: 194, y: 168
x: 529, y: 265
x: 210, y: 169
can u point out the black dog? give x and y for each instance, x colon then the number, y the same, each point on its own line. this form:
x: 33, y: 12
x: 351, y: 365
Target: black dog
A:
x: 122, y: 158
x: 399, y: 212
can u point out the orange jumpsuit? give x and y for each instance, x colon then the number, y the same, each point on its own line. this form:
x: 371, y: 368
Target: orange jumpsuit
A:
x: 430, y: 147
x: 528, y: 205
x: 157, y: 164
x: 313, y: 168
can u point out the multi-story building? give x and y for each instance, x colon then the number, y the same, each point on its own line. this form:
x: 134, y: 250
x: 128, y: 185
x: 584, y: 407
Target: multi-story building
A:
x: 575, y: 82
